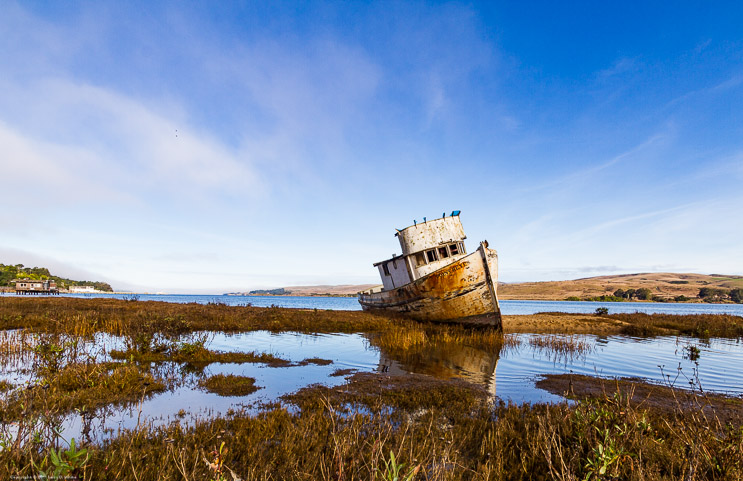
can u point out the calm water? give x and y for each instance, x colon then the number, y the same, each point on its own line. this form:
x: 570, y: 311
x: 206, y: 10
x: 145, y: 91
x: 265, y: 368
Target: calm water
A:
x: 508, y: 307
x: 509, y: 374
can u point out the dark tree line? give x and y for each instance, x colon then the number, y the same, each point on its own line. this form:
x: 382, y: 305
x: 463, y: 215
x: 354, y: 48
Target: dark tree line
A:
x: 717, y: 294
x: 643, y: 294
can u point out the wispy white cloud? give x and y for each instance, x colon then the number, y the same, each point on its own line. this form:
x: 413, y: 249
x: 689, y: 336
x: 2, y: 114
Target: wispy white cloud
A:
x: 620, y: 67
x: 59, y: 268
x: 587, y: 173
x: 730, y: 83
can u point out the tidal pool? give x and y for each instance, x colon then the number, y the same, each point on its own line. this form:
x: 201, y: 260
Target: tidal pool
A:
x: 509, y: 373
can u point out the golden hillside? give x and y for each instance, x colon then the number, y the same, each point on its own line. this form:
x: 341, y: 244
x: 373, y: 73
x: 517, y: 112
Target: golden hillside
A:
x: 662, y: 284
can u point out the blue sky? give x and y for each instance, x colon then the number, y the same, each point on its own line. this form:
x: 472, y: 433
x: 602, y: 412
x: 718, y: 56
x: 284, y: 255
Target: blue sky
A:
x: 219, y: 146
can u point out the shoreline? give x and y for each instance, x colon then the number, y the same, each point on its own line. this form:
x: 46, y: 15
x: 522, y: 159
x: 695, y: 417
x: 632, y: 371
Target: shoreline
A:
x: 342, y: 296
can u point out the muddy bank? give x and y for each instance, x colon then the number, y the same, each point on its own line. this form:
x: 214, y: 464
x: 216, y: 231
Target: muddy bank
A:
x: 641, y: 394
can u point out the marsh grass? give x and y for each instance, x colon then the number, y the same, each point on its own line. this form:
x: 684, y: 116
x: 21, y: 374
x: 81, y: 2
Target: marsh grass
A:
x: 413, y: 337
x: 229, y: 385
x: 84, y: 317
x: 696, y: 325
x: 200, y: 356
x: 448, y: 429
x: 81, y: 387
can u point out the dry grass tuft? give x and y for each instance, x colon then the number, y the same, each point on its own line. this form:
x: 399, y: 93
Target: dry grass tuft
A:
x: 229, y: 385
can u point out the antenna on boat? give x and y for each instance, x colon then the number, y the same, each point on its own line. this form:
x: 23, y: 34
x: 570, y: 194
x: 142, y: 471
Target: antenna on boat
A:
x: 414, y: 222
x: 443, y: 215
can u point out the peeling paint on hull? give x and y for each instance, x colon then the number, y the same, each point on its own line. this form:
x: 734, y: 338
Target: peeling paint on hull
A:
x: 461, y: 292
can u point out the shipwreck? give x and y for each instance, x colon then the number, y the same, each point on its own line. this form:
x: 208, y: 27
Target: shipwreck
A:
x: 435, y: 279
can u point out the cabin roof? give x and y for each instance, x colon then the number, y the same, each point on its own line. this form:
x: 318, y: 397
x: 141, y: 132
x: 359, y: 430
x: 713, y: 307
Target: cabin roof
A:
x: 454, y: 213
x: 394, y: 257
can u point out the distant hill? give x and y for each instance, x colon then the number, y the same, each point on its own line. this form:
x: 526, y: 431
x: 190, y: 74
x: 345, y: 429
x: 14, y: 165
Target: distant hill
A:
x: 342, y: 290
x: 19, y: 271
x: 661, y: 284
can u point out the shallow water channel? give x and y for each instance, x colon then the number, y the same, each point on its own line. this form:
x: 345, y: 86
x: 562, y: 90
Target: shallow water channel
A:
x: 509, y: 374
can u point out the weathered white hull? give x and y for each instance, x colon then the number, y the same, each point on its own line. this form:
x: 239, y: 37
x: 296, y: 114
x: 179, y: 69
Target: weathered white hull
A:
x: 464, y: 291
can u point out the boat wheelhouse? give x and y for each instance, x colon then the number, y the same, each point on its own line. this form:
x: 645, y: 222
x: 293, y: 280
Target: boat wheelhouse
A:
x: 435, y: 279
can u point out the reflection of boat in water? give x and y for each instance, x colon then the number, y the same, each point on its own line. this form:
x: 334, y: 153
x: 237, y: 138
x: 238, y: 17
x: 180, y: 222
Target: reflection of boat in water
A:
x: 435, y: 279
x: 444, y: 361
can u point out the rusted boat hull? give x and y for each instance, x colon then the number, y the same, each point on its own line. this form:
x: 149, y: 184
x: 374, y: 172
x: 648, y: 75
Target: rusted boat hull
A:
x: 462, y: 292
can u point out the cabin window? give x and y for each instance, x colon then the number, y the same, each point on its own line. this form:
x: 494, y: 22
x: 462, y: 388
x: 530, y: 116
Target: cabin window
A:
x: 420, y: 259
x: 454, y: 249
x: 386, y: 269
x: 443, y: 252
x: 462, y: 250
x: 431, y: 255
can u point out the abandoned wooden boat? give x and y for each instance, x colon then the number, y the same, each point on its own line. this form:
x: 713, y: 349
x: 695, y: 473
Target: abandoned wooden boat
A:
x: 435, y: 279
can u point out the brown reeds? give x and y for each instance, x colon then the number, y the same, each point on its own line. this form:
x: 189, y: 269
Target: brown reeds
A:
x: 564, y: 345
x: 447, y: 429
x: 84, y: 317
x: 199, y: 356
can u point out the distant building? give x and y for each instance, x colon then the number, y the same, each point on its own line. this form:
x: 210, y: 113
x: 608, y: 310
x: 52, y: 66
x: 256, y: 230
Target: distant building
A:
x: 85, y: 289
x: 35, y: 286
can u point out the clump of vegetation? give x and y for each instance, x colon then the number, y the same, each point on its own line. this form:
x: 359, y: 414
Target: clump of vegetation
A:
x: 229, y: 385
x: 562, y: 346
x: 692, y: 353
x: 378, y: 392
x: 318, y: 361
x: 342, y: 372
